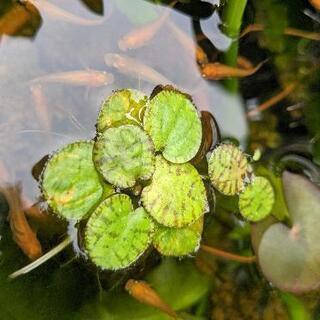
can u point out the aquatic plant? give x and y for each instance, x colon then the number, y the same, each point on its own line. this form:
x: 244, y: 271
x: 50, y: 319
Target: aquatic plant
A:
x: 134, y: 186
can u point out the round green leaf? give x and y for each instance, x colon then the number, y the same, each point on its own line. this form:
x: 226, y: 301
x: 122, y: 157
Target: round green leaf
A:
x: 174, y: 126
x: 124, y: 106
x: 178, y: 241
x: 70, y: 183
x: 228, y: 168
x: 257, y: 199
x: 176, y: 196
x: 124, y: 155
x: 116, y: 235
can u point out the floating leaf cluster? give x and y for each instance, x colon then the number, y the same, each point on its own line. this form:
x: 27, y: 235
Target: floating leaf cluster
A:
x: 133, y: 186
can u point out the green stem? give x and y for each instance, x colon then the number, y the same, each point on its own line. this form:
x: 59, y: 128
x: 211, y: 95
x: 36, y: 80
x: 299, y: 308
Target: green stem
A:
x: 232, y: 19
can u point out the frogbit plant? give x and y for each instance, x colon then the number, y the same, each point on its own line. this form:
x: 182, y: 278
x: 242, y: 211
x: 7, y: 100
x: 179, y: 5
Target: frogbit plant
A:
x: 134, y: 186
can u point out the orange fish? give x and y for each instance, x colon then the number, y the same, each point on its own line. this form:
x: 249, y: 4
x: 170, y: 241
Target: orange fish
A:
x: 141, y: 291
x: 189, y: 45
x: 22, y: 233
x: 287, y: 31
x: 244, y: 63
x: 90, y: 78
x: 315, y: 4
x: 41, y: 106
x: 217, y: 71
x: 142, y: 35
x: 53, y: 11
x: 135, y: 68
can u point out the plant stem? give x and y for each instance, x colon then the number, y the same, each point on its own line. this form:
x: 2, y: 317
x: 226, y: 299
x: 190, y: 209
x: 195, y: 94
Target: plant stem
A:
x: 227, y: 255
x: 35, y: 264
x: 232, y: 18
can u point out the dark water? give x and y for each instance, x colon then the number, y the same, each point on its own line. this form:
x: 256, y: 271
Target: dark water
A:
x: 48, y: 43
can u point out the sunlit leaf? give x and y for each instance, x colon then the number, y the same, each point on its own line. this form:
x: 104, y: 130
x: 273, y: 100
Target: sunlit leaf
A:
x: 116, y: 234
x: 124, y: 155
x: 174, y: 126
x: 176, y: 196
x: 70, y: 183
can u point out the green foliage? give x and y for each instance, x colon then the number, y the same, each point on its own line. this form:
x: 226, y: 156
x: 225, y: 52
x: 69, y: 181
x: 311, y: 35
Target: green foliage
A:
x: 176, y: 196
x: 174, y: 126
x: 289, y: 256
x: 178, y: 242
x: 178, y: 282
x: 70, y: 183
x: 257, y: 199
x: 124, y: 106
x: 116, y: 234
x: 228, y: 168
x: 124, y: 155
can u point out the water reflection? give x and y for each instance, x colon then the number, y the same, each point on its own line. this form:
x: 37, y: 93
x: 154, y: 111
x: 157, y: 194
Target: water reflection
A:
x: 39, y: 117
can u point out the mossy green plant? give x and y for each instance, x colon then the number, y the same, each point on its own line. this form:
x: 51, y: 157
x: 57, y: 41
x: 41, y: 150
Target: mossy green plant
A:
x: 176, y: 196
x: 124, y: 155
x: 174, y: 125
x: 228, y: 169
x: 116, y: 235
x: 70, y: 184
x: 124, y: 106
x: 257, y: 199
x: 178, y: 242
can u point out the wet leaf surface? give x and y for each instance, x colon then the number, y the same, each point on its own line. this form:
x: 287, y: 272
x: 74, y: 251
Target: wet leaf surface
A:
x: 176, y: 196
x: 116, y: 234
x: 124, y: 155
x: 70, y: 183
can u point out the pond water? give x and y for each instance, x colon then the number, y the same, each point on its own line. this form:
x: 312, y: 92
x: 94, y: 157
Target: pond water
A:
x: 39, y: 114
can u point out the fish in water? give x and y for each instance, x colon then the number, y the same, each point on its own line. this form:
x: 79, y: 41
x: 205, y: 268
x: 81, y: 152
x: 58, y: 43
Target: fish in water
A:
x: 315, y: 4
x: 55, y: 12
x: 134, y: 68
x: 189, y: 45
x: 217, y: 71
x: 22, y: 233
x: 89, y: 78
x: 141, y: 291
x: 41, y: 106
x: 287, y: 31
x: 141, y: 35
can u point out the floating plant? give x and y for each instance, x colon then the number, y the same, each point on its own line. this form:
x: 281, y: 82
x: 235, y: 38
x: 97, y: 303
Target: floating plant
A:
x: 124, y: 106
x: 70, y: 183
x: 116, y: 235
x: 178, y: 242
x: 148, y: 154
x: 228, y: 168
x: 257, y: 199
x: 124, y: 155
x: 176, y: 196
x: 174, y: 126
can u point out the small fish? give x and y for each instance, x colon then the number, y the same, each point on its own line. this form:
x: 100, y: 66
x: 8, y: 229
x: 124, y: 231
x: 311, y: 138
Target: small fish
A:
x: 244, y: 63
x: 273, y: 100
x: 141, y: 35
x: 134, y: 68
x: 315, y: 4
x: 217, y: 71
x: 53, y: 11
x: 22, y: 233
x: 90, y: 78
x: 41, y: 106
x: 141, y: 291
x: 287, y: 31
x: 189, y: 45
